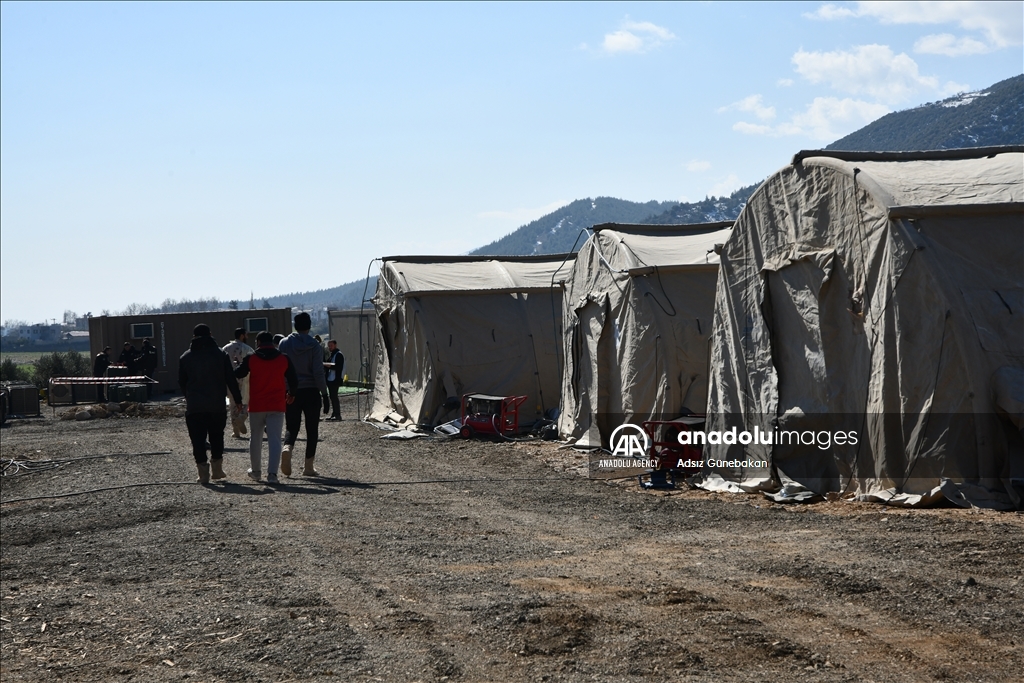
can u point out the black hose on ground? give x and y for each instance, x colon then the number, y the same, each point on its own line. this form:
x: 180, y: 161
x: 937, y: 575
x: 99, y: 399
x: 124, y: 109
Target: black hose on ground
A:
x: 10, y: 467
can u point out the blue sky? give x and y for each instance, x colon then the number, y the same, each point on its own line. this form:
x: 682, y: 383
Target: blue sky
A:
x: 154, y: 151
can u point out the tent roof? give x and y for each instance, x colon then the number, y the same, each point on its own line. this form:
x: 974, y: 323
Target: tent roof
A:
x: 960, y: 177
x: 416, y: 275
x: 643, y: 246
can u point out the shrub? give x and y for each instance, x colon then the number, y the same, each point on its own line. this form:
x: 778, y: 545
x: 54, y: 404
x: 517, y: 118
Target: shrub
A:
x: 12, y: 372
x: 61, y: 364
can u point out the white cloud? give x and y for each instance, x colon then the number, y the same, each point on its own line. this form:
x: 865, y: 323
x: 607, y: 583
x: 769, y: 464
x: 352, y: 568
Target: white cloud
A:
x: 636, y: 36
x: 831, y: 12
x: 696, y: 165
x: 622, y: 41
x: 826, y: 118
x: 952, y: 88
x: 753, y: 104
x: 726, y: 186
x: 784, y: 82
x: 949, y: 45
x: 867, y: 70
x: 1002, y: 23
x: 522, y: 214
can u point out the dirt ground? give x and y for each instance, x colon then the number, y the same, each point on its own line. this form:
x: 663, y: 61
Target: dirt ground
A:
x: 437, y: 560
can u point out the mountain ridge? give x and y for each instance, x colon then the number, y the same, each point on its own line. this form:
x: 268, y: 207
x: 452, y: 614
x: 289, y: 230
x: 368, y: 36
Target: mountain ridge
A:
x: 981, y: 118
x: 986, y: 117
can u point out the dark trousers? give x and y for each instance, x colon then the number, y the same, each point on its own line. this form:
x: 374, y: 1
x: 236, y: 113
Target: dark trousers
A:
x: 203, y: 426
x: 332, y: 391
x: 307, y: 402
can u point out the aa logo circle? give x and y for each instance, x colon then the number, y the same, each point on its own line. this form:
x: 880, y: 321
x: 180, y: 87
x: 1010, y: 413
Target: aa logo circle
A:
x: 629, y: 441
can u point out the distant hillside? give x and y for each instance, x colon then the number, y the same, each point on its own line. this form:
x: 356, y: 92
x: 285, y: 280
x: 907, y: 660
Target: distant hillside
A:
x: 556, y: 232
x: 710, y: 210
x: 993, y: 116
x: 342, y: 296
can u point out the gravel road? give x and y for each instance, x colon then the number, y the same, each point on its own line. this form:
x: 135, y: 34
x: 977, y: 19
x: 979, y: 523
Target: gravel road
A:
x: 437, y: 560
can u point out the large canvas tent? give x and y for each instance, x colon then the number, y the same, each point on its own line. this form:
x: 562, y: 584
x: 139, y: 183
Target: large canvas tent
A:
x: 878, y: 293
x: 638, y: 310
x: 448, y: 326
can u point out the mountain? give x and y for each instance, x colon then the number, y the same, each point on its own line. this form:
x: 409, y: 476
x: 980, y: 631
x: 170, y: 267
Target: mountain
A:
x: 343, y: 296
x: 710, y: 210
x: 556, y: 232
x: 993, y: 116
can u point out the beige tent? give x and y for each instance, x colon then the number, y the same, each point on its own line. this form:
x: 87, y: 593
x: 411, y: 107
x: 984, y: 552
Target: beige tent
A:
x: 637, y: 309
x: 879, y: 294
x: 448, y: 326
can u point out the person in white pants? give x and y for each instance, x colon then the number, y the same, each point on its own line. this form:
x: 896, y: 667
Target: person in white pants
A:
x: 237, y: 351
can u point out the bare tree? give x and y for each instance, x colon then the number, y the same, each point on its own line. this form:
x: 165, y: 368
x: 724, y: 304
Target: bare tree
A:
x: 137, y: 309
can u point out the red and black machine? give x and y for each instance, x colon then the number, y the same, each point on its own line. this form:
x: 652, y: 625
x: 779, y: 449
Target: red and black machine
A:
x: 673, y: 458
x: 490, y: 415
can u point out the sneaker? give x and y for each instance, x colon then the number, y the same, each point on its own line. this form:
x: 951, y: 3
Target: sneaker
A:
x: 272, y: 479
x: 253, y: 475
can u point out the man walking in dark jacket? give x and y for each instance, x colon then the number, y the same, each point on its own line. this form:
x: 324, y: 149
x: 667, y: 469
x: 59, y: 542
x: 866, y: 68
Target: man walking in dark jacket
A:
x: 206, y: 376
x: 307, y: 357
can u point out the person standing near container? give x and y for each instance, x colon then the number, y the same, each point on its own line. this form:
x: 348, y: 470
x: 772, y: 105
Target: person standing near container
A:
x: 237, y: 351
x: 307, y: 358
x: 129, y: 357
x: 206, y: 376
x: 334, y: 377
x: 148, y: 363
x: 272, y: 385
x: 99, y: 369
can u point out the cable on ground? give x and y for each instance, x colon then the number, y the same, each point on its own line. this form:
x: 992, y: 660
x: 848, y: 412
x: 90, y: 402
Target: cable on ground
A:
x: 10, y: 467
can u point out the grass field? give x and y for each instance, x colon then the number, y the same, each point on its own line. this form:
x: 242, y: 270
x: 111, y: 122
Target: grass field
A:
x: 23, y: 357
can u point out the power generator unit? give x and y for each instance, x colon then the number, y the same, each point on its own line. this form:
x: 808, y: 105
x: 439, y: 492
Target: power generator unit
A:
x: 490, y: 415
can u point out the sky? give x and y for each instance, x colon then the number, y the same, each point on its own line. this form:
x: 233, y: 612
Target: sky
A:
x: 153, y: 151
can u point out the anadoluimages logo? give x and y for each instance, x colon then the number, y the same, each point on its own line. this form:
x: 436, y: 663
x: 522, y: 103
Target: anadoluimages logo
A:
x: 629, y: 441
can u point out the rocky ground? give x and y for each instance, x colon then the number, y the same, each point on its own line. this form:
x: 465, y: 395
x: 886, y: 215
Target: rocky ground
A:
x: 437, y: 560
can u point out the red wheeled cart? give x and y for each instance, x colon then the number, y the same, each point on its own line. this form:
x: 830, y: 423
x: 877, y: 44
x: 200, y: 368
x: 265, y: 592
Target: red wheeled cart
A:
x: 673, y: 458
x: 497, y: 415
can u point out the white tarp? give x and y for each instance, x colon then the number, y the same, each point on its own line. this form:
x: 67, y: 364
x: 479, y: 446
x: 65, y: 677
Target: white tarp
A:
x: 448, y: 326
x: 637, y: 310
x: 882, y: 295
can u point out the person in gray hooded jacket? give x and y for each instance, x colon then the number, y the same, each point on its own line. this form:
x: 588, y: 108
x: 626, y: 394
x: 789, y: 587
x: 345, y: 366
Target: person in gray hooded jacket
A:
x: 307, y: 358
